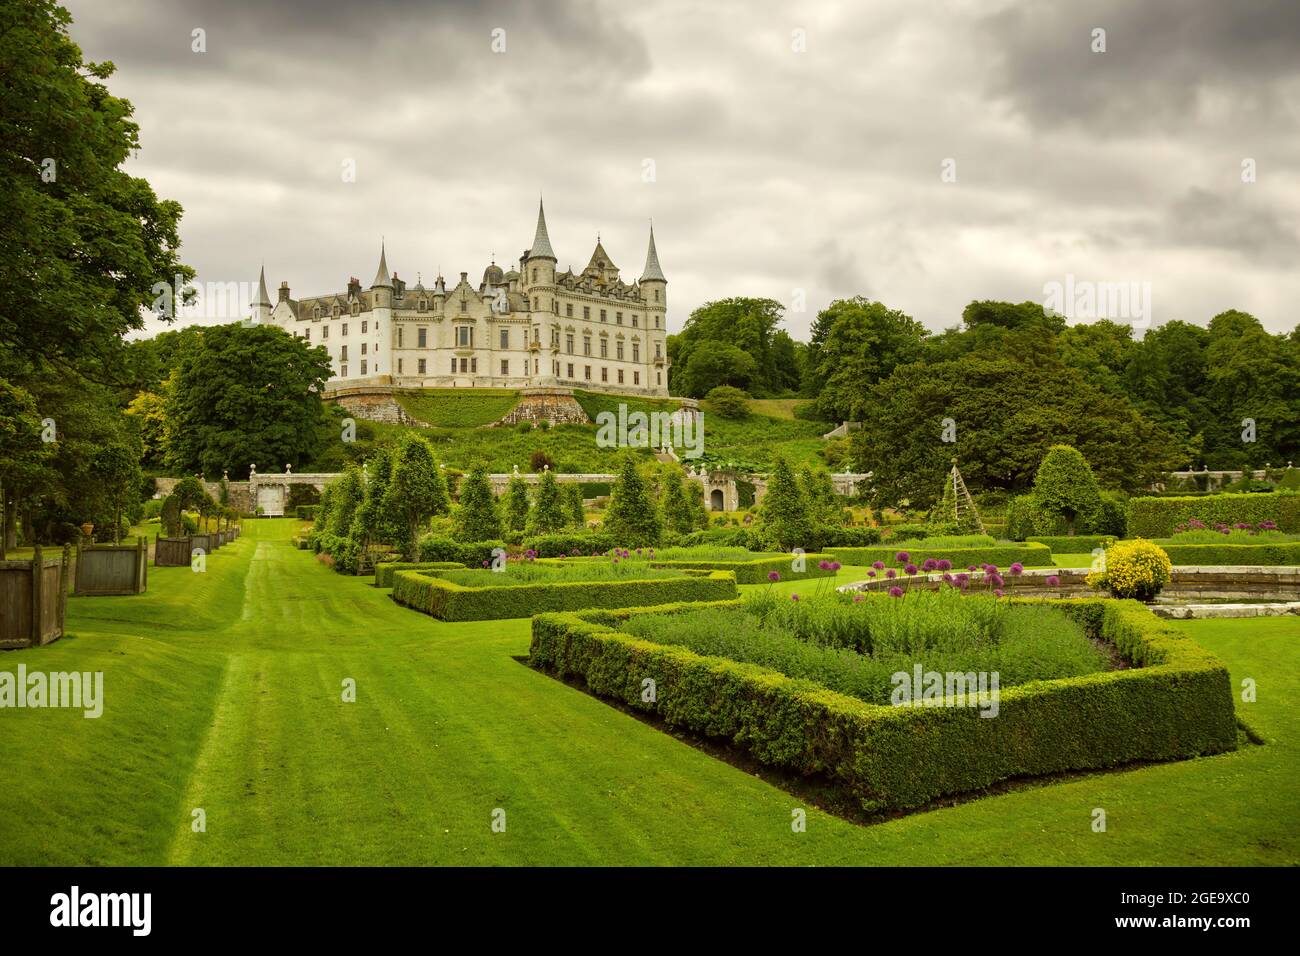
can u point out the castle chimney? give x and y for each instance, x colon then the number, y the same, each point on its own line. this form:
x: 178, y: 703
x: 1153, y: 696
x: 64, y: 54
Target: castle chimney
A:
x: 284, y: 292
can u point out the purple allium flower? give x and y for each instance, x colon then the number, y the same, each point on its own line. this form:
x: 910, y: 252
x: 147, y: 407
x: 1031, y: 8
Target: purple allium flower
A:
x: 878, y: 565
x: 895, y: 592
x: 970, y: 567
x: 998, y: 592
x: 1053, y: 580
x: 945, y: 564
x: 947, y: 578
x: 485, y: 563
x: 963, y: 578
x: 638, y: 550
x: 774, y: 575
x: 891, y: 574
x: 929, y: 564
x: 857, y: 599
x: 835, y: 565
x: 910, y: 569
x: 1016, y: 569
x: 871, y: 574
x: 902, y: 557
x: 616, y: 560
x: 991, y: 568
x: 823, y: 565
x: 794, y: 597
x: 1267, y: 526
x: 997, y: 580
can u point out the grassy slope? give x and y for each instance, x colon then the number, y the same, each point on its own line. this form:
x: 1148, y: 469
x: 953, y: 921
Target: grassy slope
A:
x: 459, y: 407
x: 223, y: 693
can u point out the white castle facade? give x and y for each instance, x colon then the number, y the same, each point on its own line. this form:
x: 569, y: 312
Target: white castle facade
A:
x: 529, y: 326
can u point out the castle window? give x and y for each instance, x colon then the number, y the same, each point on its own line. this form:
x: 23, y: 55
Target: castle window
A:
x: 343, y: 353
x: 586, y: 345
x: 570, y: 370
x: 464, y: 337
x: 399, y: 366
x: 423, y: 305
x: 464, y: 306
x: 586, y: 312
x: 604, y: 374
x: 656, y: 321
x: 658, y: 353
x: 659, y: 378
x: 343, y: 371
x: 505, y: 366
x: 619, y: 347
x: 363, y: 366
x: 636, y: 351
x: 453, y: 365
x: 555, y: 305
x: 537, y: 335
x: 536, y: 306
x: 602, y: 315
x: 568, y: 310
x: 473, y: 365
x: 422, y: 337
x: 586, y: 372
x: 420, y: 366
x: 324, y: 332
x: 464, y: 365
x: 363, y: 327
x: 635, y: 322
x: 363, y: 348
x: 335, y: 311
x: 656, y: 295
x: 534, y: 275
x: 399, y: 336
x: 345, y: 328
x: 636, y: 378
x: 568, y: 343
x: 306, y: 334
x: 555, y: 338
x: 604, y: 348
x: 356, y: 308
x: 618, y: 317
x: 555, y: 368
x: 620, y: 376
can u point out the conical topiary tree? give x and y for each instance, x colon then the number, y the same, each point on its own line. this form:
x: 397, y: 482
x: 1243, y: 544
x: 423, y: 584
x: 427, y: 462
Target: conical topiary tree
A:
x: 548, y: 511
x: 373, y: 523
x: 476, y: 516
x: 680, y: 515
x: 784, y: 519
x: 517, y: 504
x: 1066, y: 491
x: 819, y: 492
x: 632, y: 519
x: 416, y: 491
x: 571, y: 500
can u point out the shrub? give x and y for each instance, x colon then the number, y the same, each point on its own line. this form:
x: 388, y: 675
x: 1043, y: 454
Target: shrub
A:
x: 1001, y: 555
x: 306, y: 512
x: 1153, y: 517
x: 569, y: 544
x: 476, y: 517
x: 919, y: 532
x: 1233, y: 554
x: 571, y: 504
x: 1079, y: 544
x: 784, y: 519
x: 1290, y: 480
x: 547, y: 515
x: 385, y: 570
x: 1176, y: 703
x: 1134, y: 569
x: 1020, y: 518
x: 680, y: 514
x: 517, y: 504
x: 453, y: 602
x: 1112, y: 519
x: 416, y: 491
x: 632, y: 517
x: 438, y: 548
x: 728, y: 401
x: 840, y: 536
x: 539, y: 461
x: 725, y: 537
x: 1065, y: 490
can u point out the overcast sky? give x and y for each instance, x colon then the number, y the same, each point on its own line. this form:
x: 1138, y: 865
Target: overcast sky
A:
x: 775, y: 169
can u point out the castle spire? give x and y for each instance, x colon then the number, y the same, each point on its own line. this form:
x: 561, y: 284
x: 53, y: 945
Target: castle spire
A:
x: 541, y: 241
x: 381, y: 277
x: 652, y: 272
x: 262, y: 297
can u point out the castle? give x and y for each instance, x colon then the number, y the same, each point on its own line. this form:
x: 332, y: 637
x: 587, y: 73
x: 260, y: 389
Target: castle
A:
x: 530, y: 326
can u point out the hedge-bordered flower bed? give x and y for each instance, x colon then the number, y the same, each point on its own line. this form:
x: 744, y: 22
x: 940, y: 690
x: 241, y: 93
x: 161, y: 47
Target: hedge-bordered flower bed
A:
x: 1230, y: 554
x: 756, y: 571
x: 385, y: 570
x: 453, y: 602
x: 1078, y: 544
x: 1001, y: 555
x: 1159, y: 517
x: 1176, y: 702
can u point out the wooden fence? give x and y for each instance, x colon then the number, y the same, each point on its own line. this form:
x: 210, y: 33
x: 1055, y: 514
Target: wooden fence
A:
x: 105, y: 569
x: 33, y: 599
x: 204, y: 541
x: 172, y: 552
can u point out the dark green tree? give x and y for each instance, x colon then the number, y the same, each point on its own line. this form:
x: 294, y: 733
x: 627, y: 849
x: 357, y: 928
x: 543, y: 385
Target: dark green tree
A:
x: 548, y: 511
x: 632, y: 519
x: 574, y: 508
x: 416, y: 491
x: 1066, y: 491
x: 476, y: 517
x: 785, y: 521
x: 517, y: 504
x: 857, y: 343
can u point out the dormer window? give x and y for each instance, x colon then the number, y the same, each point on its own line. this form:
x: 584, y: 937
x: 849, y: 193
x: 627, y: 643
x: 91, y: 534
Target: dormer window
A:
x: 424, y: 305
x: 335, y: 311
x: 315, y: 313
x: 356, y: 308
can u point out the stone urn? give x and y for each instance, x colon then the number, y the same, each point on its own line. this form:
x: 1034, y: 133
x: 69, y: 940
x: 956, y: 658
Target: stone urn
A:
x: 88, y: 529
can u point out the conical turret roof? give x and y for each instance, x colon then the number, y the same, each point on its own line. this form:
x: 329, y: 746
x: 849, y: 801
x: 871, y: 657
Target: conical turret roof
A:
x: 541, y: 241
x: 652, y: 272
x: 381, y: 277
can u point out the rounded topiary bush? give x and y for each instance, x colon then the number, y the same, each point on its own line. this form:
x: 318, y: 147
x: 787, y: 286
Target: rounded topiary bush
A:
x: 1136, y: 569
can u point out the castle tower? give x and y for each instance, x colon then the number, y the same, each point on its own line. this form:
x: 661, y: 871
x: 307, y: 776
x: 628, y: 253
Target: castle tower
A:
x: 380, y: 336
x: 261, y: 305
x: 539, y: 289
x: 654, y: 287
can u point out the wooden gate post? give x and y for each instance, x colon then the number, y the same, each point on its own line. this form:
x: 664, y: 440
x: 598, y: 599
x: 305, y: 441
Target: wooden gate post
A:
x: 38, y: 572
x: 63, y: 587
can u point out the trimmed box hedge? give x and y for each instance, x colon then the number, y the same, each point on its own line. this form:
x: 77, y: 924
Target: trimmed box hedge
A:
x: 454, y: 602
x: 554, y: 545
x: 961, y: 558
x: 1175, y: 703
x: 385, y: 570
x: 1073, y: 544
x: 755, y: 571
x: 1230, y: 554
x: 1158, y: 517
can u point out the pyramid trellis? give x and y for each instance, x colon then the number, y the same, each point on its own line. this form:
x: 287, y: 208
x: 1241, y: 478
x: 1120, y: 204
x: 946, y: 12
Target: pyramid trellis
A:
x: 962, y: 509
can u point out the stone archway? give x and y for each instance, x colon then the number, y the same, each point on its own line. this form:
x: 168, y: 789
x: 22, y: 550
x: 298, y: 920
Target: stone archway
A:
x: 717, y: 501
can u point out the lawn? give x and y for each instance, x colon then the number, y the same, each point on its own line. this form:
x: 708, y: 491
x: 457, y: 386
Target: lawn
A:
x: 458, y: 407
x: 223, y: 693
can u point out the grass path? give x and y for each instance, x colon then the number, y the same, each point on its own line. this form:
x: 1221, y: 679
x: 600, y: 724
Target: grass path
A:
x: 223, y: 691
